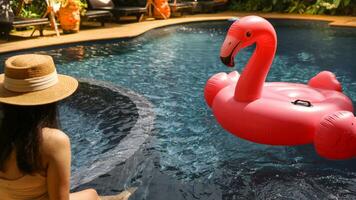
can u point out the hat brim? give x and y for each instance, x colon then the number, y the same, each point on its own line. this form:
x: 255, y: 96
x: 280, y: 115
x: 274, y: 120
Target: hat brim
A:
x: 65, y: 87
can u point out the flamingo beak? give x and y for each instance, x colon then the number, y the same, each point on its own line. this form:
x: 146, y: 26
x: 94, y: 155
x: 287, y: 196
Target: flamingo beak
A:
x: 228, y: 61
x: 228, y: 51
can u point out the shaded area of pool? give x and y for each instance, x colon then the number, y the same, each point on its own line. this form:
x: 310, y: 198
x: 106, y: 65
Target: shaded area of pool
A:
x: 98, y: 119
x: 103, y: 121
x: 190, y: 156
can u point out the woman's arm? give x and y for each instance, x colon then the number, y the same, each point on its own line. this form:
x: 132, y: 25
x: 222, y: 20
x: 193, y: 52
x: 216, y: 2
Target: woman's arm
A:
x: 57, y: 151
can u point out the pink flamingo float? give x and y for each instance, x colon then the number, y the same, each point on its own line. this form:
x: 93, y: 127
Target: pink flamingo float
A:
x: 278, y: 113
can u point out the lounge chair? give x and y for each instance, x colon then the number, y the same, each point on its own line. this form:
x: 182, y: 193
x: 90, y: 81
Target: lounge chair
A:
x: 118, y: 10
x: 220, y: 5
x: 210, y: 6
x: 19, y: 22
x: 182, y: 6
x: 97, y: 15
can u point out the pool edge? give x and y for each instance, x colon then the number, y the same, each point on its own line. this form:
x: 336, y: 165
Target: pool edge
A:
x: 125, y: 31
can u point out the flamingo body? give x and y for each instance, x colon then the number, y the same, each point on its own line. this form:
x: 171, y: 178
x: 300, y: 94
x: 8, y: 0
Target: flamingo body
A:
x: 278, y: 113
x: 273, y: 118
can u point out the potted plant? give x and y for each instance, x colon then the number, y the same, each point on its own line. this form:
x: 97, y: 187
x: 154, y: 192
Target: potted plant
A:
x: 69, y: 15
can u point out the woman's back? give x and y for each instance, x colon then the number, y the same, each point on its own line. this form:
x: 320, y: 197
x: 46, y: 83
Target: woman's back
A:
x: 31, y: 187
x: 16, y: 185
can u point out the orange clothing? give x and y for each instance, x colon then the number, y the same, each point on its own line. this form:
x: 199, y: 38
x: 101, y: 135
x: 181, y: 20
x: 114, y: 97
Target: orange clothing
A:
x: 163, y: 7
x: 27, y: 187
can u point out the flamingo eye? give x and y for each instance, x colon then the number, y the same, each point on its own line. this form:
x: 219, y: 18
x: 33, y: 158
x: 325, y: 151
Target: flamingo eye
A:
x: 248, y: 34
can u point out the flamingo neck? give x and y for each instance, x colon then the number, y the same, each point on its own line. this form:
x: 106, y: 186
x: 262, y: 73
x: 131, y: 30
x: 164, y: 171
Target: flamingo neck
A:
x: 250, y: 84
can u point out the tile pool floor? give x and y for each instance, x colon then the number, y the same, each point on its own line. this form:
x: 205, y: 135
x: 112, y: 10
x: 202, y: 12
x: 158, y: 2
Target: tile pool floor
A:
x: 22, y: 40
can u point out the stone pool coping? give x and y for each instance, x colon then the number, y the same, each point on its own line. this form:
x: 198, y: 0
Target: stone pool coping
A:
x: 128, y: 145
x: 117, y: 31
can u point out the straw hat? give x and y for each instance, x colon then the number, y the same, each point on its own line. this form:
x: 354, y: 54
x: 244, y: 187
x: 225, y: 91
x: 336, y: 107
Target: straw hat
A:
x: 32, y: 79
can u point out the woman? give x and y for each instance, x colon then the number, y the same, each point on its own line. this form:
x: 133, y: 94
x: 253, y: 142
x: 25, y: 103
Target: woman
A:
x: 34, y: 153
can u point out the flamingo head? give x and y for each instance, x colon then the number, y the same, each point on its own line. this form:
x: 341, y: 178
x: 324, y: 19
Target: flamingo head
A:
x: 243, y: 33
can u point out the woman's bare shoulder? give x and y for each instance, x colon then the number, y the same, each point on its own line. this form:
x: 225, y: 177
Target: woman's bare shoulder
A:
x: 53, y: 140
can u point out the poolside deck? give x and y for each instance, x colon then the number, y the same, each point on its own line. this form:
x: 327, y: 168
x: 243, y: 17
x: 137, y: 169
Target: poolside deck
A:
x: 22, y: 40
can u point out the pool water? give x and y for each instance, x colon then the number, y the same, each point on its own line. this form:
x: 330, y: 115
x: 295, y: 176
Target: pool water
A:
x: 97, y: 120
x: 189, y: 155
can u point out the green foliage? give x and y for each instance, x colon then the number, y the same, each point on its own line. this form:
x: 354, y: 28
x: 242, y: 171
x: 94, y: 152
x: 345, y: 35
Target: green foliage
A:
x: 331, y: 7
x: 83, y: 6
x: 31, y: 9
x: 37, y: 8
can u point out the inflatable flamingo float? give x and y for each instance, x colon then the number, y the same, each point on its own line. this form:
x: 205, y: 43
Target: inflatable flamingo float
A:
x: 278, y: 113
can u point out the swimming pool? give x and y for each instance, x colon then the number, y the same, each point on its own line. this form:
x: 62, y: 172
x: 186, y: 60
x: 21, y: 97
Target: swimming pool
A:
x: 189, y: 156
x: 107, y: 124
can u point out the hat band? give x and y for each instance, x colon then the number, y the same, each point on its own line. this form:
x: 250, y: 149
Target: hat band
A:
x: 31, y: 84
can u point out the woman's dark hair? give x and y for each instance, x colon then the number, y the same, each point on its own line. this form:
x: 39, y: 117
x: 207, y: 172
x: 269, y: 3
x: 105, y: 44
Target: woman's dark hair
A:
x: 21, y: 130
